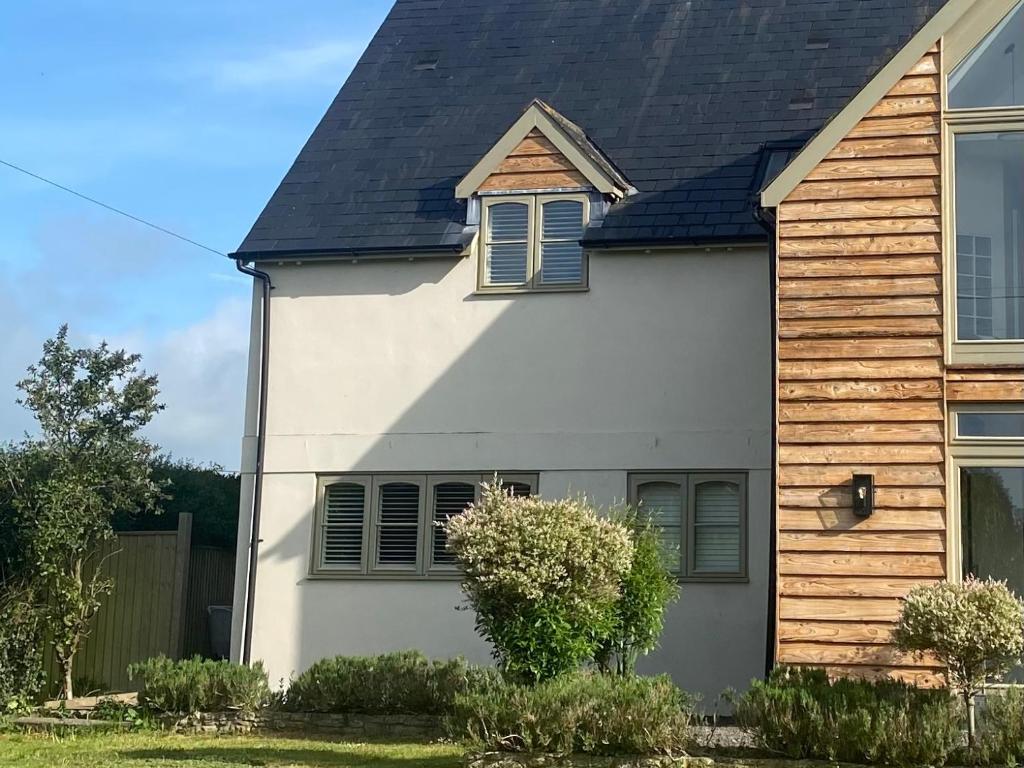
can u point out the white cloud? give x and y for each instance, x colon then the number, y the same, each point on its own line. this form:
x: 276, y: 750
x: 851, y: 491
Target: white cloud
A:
x: 325, y: 61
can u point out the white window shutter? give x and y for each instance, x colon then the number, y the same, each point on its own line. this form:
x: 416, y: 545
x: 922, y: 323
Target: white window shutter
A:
x: 507, y: 261
x: 661, y: 504
x: 398, y: 520
x: 716, y: 528
x: 450, y: 499
x: 342, y: 531
x: 561, y: 255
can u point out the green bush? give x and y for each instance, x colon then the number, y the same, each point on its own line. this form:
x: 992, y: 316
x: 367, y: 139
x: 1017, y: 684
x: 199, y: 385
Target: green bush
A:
x: 391, y: 684
x: 197, y: 685
x: 543, y: 577
x: 645, y: 593
x: 800, y: 713
x: 1000, y: 739
x: 21, y: 650
x: 591, y: 713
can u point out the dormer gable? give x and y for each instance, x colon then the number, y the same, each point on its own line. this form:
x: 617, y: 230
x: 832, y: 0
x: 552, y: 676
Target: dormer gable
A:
x: 544, y: 151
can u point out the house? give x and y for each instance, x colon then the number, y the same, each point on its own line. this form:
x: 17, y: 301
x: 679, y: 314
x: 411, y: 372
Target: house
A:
x: 727, y: 258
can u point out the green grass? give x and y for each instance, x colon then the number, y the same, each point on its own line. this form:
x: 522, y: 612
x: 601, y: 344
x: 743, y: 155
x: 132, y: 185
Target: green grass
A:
x: 150, y: 750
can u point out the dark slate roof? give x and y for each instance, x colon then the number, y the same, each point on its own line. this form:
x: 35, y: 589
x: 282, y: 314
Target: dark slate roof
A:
x: 680, y: 94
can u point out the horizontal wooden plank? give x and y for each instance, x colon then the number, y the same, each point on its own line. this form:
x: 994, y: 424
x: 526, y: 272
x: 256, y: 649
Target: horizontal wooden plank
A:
x: 534, y: 164
x: 894, y: 306
x: 927, y: 65
x: 851, y: 327
x: 887, y: 146
x: 850, y: 586
x: 885, y: 208
x: 986, y: 374
x: 841, y: 519
x: 882, y: 245
x: 894, y: 266
x: 858, y: 349
x: 864, y: 287
x: 902, y: 106
x: 890, y: 432
x: 858, y: 541
x: 911, y: 453
x: 861, y: 564
x: 864, y: 368
x: 985, y: 391
x: 869, y: 188
x: 913, y: 86
x: 861, y: 389
x: 861, y: 411
x: 534, y: 144
x: 897, y: 475
x: 837, y: 631
x: 875, y: 168
x: 912, y: 125
x: 845, y: 227
x: 526, y: 181
x: 923, y: 677
x: 839, y: 497
x: 835, y: 653
x: 839, y: 609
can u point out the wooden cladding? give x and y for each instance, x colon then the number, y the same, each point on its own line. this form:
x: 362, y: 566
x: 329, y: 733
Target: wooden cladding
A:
x: 861, y: 386
x: 535, y: 164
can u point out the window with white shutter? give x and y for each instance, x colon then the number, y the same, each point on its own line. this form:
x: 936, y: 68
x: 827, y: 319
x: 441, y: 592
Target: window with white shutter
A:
x: 399, y: 508
x: 341, y: 528
x: 702, y: 519
x: 388, y: 526
x: 533, y: 242
x: 717, y: 512
x: 449, y: 498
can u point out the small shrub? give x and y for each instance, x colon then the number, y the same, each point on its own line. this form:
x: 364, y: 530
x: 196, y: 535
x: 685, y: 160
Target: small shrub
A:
x: 117, y: 711
x: 395, y: 683
x: 198, y: 685
x: 974, y: 628
x: 1000, y: 739
x: 646, y: 591
x: 590, y: 713
x: 543, y: 578
x: 21, y: 656
x: 801, y: 714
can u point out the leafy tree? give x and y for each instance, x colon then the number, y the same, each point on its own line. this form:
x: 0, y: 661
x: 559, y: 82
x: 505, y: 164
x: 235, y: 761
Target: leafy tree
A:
x: 646, y: 591
x: 87, y: 463
x: 974, y: 628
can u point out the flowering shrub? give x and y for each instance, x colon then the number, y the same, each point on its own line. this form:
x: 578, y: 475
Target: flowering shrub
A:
x: 542, y: 576
x: 975, y: 629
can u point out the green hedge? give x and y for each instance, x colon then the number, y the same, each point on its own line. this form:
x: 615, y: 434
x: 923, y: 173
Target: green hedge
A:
x: 200, y: 685
x: 395, y: 683
x: 800, y: 713
x: 589, y: 713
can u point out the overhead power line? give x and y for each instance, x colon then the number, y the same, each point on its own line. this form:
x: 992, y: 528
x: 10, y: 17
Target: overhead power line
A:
x: 110, y: 208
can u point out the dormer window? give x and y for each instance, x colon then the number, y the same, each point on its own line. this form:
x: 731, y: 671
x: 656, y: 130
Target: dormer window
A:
x: 532, y: 242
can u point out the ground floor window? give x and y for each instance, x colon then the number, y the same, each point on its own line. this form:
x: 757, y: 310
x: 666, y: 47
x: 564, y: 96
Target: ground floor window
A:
x: 702, y: 518
x: 390, y: 524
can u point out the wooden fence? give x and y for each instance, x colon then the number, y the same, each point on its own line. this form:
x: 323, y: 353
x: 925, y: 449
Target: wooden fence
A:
x: 162, y: 587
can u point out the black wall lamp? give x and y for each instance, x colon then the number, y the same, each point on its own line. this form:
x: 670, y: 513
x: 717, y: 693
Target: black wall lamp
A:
x: 863, y: 495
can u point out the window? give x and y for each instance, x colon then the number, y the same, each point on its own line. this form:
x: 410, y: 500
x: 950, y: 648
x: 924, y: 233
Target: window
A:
x: 532, y: 242
x: 987, y: 452
x: 985, y: 244
x: 702, y: 519
x: 390, y: 525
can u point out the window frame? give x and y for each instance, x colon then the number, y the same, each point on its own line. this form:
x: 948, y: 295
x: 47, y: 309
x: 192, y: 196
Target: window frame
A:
x: 688, y: 482
x: 368, y: 568
x: 535, y: 206
x: 957, y: 122
x: 973, y: 452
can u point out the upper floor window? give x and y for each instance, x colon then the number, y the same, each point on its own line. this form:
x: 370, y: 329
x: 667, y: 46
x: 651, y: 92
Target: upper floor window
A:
x: 985, y: 245
x: 532, y: 242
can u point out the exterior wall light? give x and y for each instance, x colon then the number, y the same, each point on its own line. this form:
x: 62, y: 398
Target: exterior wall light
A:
x: 863, y: 495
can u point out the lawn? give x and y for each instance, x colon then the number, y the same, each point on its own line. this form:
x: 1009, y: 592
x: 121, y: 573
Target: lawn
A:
x: 146, y: 750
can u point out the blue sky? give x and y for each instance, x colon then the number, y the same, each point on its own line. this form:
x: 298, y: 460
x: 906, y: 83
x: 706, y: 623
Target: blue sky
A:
x: 185, y: 113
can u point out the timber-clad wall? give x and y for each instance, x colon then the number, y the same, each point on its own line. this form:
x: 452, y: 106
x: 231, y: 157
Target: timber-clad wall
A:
x: 535, y: 164
x: 860, y: 386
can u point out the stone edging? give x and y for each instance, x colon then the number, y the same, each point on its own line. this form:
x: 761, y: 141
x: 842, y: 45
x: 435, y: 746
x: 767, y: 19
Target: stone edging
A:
x: 346, y: 726
x: 539, y: 760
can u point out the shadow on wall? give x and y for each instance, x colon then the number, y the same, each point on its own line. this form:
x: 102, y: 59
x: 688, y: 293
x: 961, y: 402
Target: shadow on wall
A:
x: 663, y: 364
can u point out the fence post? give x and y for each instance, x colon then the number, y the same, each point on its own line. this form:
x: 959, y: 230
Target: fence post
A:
x: 183, y: 553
